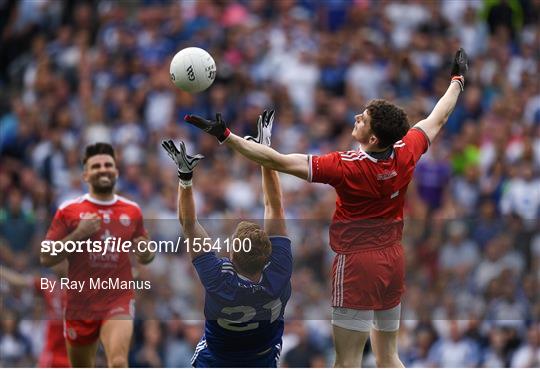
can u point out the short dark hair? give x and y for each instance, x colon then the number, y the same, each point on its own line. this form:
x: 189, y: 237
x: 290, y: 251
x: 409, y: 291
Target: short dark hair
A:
x: 389, y: 122
x: 99, y: 148
x: 254, y: 260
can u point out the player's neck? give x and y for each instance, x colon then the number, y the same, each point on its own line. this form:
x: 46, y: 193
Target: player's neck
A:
x: 255, y: 278
x: 102, y: 196
x: 372, y: 148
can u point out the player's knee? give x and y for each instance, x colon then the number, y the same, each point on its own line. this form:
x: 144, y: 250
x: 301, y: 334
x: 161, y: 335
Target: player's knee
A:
x: 118, y: 361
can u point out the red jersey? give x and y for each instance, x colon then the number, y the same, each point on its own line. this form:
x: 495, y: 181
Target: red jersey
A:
x: 371, y: 192
x: 54, y: 352
x: 121, y: 218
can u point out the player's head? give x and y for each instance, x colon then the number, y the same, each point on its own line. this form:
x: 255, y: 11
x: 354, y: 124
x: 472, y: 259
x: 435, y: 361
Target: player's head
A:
x: 380, y: 125
x: 253, y: 261
x: 100, y: 170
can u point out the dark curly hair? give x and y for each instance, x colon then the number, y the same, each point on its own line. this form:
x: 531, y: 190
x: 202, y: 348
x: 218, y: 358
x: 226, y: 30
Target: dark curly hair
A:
x: 99, y: 148
x: 389, y: 123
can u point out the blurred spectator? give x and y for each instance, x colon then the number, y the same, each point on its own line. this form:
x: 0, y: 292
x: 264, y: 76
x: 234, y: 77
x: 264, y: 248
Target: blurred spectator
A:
x: 419, y: 356
x: 303, y: 354
x: 184, y: 337
x: 432, y: 175
x: 488, y: 224
x: 459, y: 252
x: 528, y: 355
x: 495, y: 356
x: 456, y: 350
x: 522, y: 196
x: 504, y: 15
x: 17, y: 224
x: 150, y: 355
x: 15, y: 348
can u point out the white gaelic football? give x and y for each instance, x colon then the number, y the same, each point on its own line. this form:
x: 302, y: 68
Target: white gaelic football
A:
x: 193, y: 69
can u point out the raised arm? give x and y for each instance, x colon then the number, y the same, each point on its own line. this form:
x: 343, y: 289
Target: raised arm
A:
x: 187, y: 214
x: 444, y: 107
x: 188, y: 217
x: 439, y: 116
x: 295, y: 164
x: 274, y: 215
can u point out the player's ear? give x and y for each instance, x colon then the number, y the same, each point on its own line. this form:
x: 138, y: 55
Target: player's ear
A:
x: 85, y: 173
x: 373, y: 140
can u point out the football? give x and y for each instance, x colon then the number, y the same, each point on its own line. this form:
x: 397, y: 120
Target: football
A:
x: 193, y: 69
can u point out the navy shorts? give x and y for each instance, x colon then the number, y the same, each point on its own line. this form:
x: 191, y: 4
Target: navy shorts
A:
x: 204, y: 358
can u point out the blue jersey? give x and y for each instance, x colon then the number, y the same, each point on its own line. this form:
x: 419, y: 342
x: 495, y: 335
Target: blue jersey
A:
x: 244, y: 319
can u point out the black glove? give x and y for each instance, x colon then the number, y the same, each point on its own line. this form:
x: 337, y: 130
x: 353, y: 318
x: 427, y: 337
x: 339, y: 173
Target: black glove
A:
x: 217, y: 128
x: 184, y: 162
x: 264, y: 128
x: 460, y: 65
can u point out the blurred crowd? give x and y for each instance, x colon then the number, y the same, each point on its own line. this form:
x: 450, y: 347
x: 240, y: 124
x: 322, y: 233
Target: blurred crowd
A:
x: 77, y: 72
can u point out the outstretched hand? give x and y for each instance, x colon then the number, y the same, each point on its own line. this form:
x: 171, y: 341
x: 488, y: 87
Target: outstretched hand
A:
x: 184, y: 162
x: 217, y: 128
x: 264, y: 128
x: 460, y: 65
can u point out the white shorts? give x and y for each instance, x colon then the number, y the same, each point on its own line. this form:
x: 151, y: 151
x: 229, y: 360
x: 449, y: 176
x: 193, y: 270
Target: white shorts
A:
x: 364, y: 320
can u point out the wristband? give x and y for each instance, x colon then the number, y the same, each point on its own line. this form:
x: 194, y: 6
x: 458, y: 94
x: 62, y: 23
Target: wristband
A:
x: 460, y: 81
x: 225, y: 136
x: 185, y: 176
x: 185, y: 183
x: 185, y: 179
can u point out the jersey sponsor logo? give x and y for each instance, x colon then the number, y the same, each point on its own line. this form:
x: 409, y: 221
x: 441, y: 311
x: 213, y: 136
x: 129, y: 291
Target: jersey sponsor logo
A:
x: 386, y: 175
x: 125, y: 220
